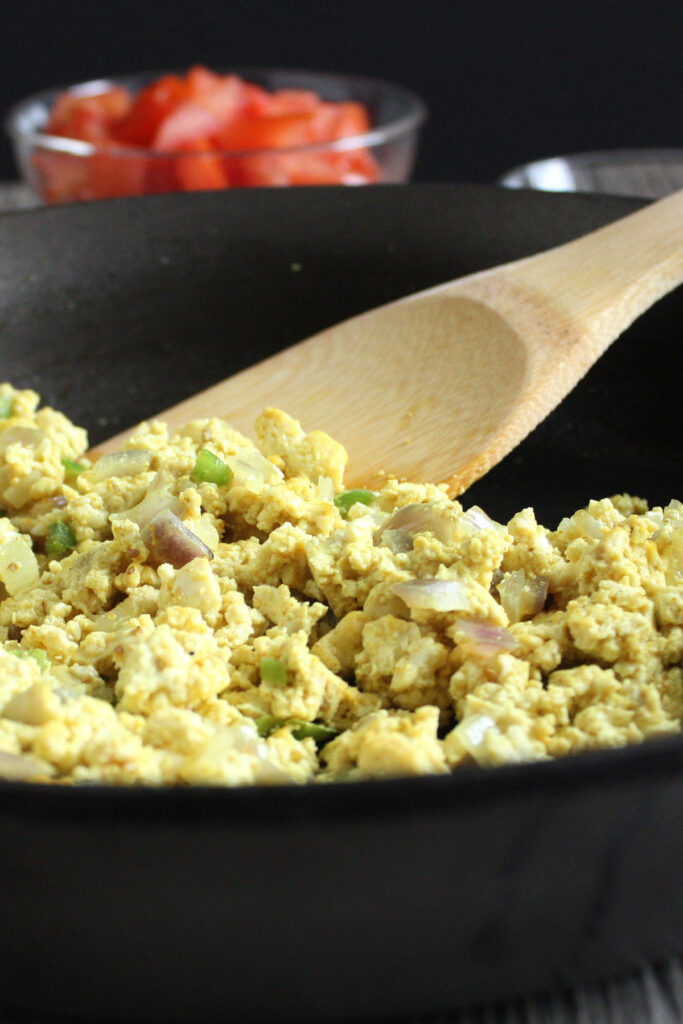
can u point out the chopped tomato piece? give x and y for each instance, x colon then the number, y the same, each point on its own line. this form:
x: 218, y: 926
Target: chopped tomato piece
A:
x: 151, y: 106
x: 89, y: 118
x: 201, y: 169
x: 198, y: 119
x: 201, y: 80
x: 113, y: 175
x: 274, y: 131
x: 161, y: 175
x: 352, y: 119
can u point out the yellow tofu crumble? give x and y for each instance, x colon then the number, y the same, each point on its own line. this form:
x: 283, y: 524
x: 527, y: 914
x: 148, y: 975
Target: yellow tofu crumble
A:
x: 200, y: 609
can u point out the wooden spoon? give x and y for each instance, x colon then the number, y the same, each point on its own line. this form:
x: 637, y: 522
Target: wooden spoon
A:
x: 440, y: 385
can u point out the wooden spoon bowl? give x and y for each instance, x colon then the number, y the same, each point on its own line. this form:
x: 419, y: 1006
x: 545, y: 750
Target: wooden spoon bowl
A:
x: 440, y: 385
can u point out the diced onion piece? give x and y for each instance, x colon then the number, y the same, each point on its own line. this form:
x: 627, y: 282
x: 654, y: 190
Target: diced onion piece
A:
x: 326, y: 488
x: 673, y: 554
x: 433, y: 595
x: 126, y: 463
x: 398, y: 541
x: 156, y: 500
x: 20, y: 768
x: 236, y: 739
x: 475, y: 519
x: 243, y: 738
x: 144, y: 602
x: 207, y: 532
x: 589, y: 525
x: 253, y: 471
x: 17, y: 494
x: 522, y: 596
x: 472, y: 733
x: 376, y: 514
x: 27, y: 436
x: 482, y: 640
x: 18, y: 566
x: 417, y: 517
x: 169, y: 540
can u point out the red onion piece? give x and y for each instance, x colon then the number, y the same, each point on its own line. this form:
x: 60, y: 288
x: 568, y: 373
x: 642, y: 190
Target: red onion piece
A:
x: 169, y: 540
x: 20, y: 768
x: 398, y: 541
x: 18, y: 565
x: 589, y: 525
x: 522, y: 596
x: 476, y: 519
x: 417, y: 517
x: 433, y: 595
x: 155, y: 500
x: 484, y: 640
x: 125, y: 463
x: 27, y: 436
x: 253, y: 471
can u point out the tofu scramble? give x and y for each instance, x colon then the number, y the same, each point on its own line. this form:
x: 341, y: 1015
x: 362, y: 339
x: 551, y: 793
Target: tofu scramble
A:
x: 199, y: 609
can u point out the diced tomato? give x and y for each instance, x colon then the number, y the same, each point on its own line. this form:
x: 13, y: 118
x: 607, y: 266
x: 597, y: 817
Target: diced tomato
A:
x: 274, y: 131
x: 188, y: 124
x: 88, y: 118
x: 114, y: 175
x: 276, y: 169
x: 161, y: 175
x: 201, y: 169
x: 196, y: 119
x: 152, y: 105
x: 201, y: 80
x: 292, y: 101
x: 213, y: 102
x: 352, y: 119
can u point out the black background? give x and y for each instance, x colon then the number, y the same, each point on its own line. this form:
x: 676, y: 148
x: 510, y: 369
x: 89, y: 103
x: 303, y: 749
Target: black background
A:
x: 506, y: 81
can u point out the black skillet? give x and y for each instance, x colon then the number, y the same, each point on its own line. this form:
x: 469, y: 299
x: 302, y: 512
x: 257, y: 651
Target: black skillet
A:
x: 353, y: 901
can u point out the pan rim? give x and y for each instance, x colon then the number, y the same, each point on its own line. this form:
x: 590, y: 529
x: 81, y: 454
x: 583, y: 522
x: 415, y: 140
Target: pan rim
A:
x: 652, y: 760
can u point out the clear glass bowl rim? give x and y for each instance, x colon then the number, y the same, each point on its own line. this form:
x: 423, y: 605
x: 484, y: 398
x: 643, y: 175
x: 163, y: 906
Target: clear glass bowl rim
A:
x: 594, y: 158
x: 413, y: 117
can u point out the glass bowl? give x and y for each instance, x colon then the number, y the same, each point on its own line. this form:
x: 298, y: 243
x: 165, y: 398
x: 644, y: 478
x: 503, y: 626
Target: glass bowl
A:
x: 645, y: 173
x: 60, y: 169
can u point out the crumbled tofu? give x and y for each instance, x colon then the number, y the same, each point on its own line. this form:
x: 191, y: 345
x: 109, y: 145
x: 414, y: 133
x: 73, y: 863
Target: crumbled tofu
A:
x: 162, y: 628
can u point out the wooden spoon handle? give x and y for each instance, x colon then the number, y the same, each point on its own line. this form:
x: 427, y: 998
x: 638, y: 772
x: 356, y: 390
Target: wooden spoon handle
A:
x: 601, y: 282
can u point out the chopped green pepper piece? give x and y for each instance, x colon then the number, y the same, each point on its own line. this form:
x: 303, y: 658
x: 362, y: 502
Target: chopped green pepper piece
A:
x: 320, y: 733
x: 300, y: 730
x: 72, y: 467
x: 209, y: 469
x: 6, y: 403
x: 60, y: 539
x: 267, y: 724
x: 346, y: 499
x: 38, y: 654
x: 273, y: 671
